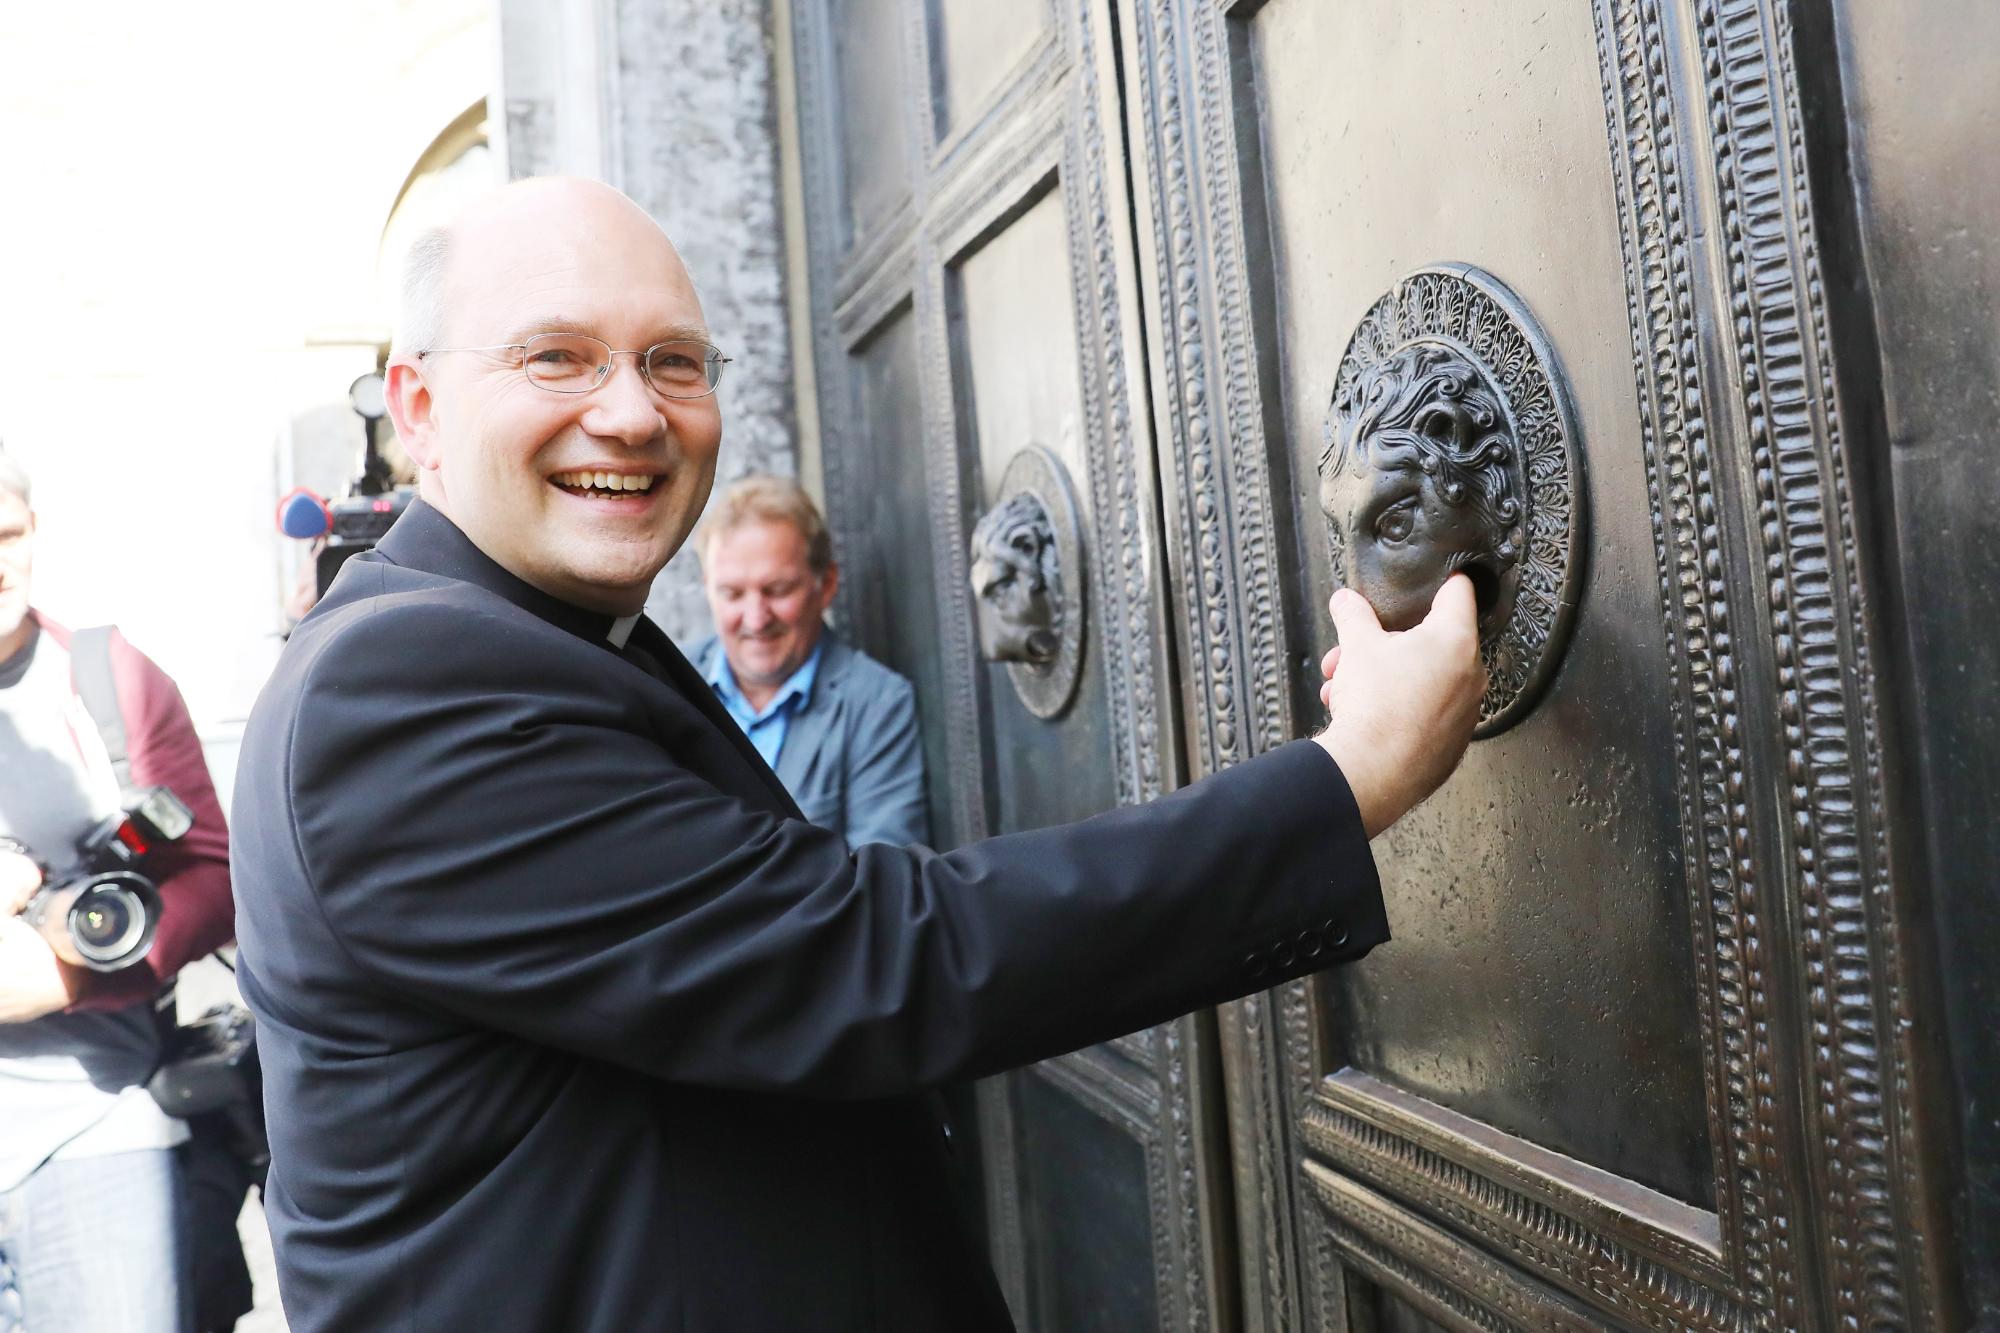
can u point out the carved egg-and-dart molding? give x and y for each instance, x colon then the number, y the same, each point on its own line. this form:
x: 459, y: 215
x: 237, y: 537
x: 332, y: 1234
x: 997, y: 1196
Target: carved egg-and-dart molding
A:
x: 1450, y: 446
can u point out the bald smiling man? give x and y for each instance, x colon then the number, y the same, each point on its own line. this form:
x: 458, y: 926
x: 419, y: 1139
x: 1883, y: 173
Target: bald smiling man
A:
x: 569, y: 1021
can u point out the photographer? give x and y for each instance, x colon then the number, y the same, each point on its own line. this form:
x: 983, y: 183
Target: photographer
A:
x: 90, y: 1191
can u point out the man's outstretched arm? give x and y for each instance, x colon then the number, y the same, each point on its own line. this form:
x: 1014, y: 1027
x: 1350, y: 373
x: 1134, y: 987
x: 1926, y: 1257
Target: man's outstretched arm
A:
x: 495, y: 847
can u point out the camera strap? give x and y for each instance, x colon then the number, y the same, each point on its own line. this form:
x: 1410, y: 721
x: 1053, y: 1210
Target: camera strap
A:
x: 90, y: 674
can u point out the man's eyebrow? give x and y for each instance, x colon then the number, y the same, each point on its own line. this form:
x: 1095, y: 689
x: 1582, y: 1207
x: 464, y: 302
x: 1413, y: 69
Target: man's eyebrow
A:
x: 666, y: 333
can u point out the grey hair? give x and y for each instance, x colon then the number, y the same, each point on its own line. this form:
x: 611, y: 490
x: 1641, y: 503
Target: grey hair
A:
x: 420, y: 322
x: 14, y: 478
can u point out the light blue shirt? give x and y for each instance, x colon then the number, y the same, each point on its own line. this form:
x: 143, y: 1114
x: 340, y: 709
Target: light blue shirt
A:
x: 766, y: 729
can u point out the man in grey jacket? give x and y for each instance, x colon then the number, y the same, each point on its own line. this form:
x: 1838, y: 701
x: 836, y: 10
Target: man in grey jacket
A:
x: 839, y: 728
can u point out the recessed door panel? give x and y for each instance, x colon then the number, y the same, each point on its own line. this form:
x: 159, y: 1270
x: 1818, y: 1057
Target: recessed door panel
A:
x: 1016, y: 325
x: 867, y: 41
x: 1541, y: 978
x: 974, y: 48
x: 891, y: 579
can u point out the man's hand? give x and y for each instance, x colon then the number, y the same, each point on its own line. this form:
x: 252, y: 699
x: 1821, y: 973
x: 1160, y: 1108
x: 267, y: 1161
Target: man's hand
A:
x: 19, y: 878
x: 1403, y: 705
x: 32, y: 982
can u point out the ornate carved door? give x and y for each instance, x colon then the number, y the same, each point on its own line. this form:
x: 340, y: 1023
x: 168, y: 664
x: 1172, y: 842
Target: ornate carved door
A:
x: 1141, y: 324
x: 982, y: 385
x: 1535, y: 291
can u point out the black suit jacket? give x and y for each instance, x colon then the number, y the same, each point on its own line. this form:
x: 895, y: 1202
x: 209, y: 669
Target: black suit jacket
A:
x: 569, y: 1023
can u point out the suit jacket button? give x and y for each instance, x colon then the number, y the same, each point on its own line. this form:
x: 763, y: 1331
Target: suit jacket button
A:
x: 1257, y: 963
x: 1309, y: 944
x: 1335, y: 933
x: 1283, y: 956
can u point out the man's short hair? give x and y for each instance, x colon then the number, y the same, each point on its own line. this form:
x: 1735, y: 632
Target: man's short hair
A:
x: 420, y: 317
x: 14, y: 478
x: 768, y: 499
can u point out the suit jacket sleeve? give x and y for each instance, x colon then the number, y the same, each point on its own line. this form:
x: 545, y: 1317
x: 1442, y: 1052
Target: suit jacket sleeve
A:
x: 885, y: 770
x: 197, y: 914
x: 491, y: 836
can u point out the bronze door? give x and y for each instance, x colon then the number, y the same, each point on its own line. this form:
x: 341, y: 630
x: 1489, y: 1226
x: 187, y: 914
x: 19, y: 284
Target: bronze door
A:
x: 1641, y: 1052
x: 1138, y: 324
x: 982, y: 384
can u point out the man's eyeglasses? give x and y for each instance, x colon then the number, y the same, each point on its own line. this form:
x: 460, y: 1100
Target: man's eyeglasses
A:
x: 578, y: 363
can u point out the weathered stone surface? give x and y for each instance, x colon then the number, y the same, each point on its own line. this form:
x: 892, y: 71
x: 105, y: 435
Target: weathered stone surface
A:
x: 693, y: 139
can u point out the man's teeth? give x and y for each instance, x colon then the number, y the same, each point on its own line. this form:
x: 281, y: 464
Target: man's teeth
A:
x: 606, y: 481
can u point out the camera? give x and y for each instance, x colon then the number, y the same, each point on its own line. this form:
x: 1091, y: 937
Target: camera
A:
x: 356, y: 521
x: 114, y: 910
x: 212, y: 1070
x: 354, y: 524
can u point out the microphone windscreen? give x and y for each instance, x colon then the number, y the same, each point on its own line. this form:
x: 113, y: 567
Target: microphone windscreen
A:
x: 304, y: 515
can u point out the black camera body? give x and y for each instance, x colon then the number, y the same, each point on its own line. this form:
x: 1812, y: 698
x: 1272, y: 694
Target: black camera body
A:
x: 115, y: 909
x: 212, y: 1071
x: 355, y: 523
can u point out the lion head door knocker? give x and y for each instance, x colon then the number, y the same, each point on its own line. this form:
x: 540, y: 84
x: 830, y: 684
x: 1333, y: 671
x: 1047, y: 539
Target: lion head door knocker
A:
x: 1027, y: 582
x: 1450, y: 446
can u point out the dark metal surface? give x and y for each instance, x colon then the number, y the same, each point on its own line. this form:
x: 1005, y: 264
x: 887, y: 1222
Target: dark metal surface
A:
x: 1692, y: 961
x: 1919, y: 92
x: 891, y: 579
x: 1019, y: 363
x: 1648, y: 1036
x: 1542, y: 977
x: 1084, y: 1181
x: 874, y: 97
x: 971, y: 297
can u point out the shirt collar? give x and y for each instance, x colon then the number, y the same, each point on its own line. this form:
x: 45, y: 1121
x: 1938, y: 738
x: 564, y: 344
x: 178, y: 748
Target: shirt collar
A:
x: 797, y: 686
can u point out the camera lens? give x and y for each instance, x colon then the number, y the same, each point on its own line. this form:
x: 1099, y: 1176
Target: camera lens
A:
x: 102, y: 924
x: 112, y: 920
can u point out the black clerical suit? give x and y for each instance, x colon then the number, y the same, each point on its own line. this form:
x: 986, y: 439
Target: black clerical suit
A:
x: 569, y: 1023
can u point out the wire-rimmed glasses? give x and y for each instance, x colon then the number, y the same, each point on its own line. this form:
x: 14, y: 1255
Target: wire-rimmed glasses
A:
x: 578, y: 363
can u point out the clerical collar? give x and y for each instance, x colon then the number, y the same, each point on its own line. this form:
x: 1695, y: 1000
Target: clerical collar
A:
x: 621, y: 630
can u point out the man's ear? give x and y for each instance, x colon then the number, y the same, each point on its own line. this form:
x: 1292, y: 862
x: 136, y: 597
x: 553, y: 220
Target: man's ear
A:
x: 414, y: 411
x: 829, y: 584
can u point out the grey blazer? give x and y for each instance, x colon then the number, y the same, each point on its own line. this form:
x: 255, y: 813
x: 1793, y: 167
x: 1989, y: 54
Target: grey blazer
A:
x: 852, y: 758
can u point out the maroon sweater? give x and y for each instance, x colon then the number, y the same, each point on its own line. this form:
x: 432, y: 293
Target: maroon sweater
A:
x: 197, y: 914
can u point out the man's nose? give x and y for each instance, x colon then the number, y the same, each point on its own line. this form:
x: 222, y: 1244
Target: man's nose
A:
x: 624, y: 407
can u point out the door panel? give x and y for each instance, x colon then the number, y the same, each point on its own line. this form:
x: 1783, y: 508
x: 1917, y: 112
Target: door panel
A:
x: 1539, y: 903
x: 1588, y: 1081
x: 1018, y: 352
x: 891, y: 581
x: 1004, y: 292
x: 978, y: 48
x: 1084, y: 1182
x: 874, y: 97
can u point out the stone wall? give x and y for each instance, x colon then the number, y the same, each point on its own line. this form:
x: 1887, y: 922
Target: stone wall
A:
x: 672, y: 101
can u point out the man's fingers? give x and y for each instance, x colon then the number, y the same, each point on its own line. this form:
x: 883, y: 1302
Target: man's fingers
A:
x: 1352, y: 616
x: 1456, y: 607
x: 19, y: 878
x: 1330, y: 663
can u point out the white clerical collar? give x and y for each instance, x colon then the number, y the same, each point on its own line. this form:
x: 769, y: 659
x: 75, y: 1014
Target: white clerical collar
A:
x: 621, y: 630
